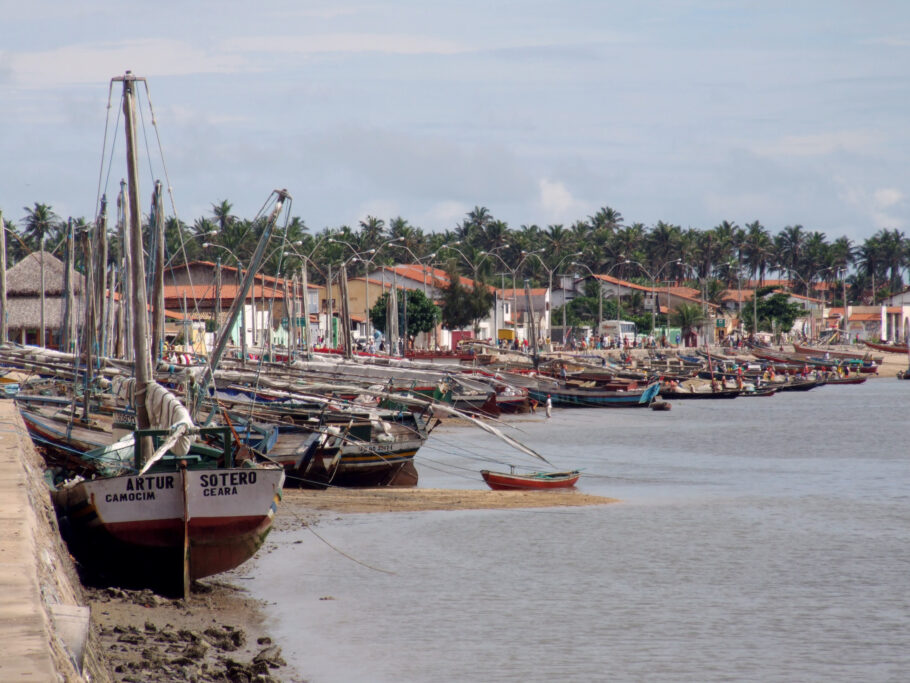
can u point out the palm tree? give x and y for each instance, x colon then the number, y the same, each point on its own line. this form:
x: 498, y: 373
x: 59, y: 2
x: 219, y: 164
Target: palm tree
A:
x: 662, y: 244
x: 789, y: 245
x: 222, y: 214
x: 40, y: 223
x: 372, y: 232
x: 687, y: 317
x: 756, y: 249
x: 606, y: 219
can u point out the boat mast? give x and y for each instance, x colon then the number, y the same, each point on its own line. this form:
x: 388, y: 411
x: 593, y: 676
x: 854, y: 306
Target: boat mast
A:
x: 66, y: 329
x: 240, y: 298
x: 100, y: 308
x: 306, y: 311
x: 89, y: 327
x: 158, y: 273
x: 346, y: 313
x: 139, y: 300
x: 4, y: 322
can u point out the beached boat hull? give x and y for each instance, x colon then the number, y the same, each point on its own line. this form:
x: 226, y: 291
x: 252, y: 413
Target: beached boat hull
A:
x: 722, y: 393
x: 799, y: 386
x: 131, y: 529
x: 502, y: 481
x: 887, y: 348
x: 63, y: 445
x: 758, y: 391
x: 846, y: 380
x: 324, y: 462
x: 593, y: 398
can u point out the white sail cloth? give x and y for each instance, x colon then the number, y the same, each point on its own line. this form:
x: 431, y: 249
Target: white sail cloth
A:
x: 165, y: 410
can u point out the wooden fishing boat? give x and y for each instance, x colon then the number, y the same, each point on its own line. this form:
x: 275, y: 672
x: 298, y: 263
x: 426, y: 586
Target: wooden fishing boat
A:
x: 799, y: 385
x: 175, y: 517
x: 667, y: 393
x: 596, y: 398
x: 365, y: 453
x: 137, y: 530
x: 819, y: 351
x: 511, y: 481
x: 758, y: 391
x: 887, y: 348
x: 855, y: 379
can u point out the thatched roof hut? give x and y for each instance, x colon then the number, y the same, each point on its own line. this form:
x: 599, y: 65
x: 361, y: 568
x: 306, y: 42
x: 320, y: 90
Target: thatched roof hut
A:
x: 23, y: 302
x: 24, y: 312
x: 24, y: 278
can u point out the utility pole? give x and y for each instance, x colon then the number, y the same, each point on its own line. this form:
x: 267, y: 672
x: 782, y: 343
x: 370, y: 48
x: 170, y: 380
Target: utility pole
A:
x: 4, y: 321
x: 844, y: 283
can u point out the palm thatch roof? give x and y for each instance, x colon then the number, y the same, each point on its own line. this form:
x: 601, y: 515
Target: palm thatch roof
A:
x: 24, y: 312
x: 24, y: 278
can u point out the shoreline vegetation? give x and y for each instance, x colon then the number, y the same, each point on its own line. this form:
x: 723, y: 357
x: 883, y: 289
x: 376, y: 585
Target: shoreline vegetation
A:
x: 712, y: 261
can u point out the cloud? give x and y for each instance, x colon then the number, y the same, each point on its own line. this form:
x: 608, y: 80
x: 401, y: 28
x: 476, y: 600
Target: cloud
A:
x: 887, y: 197
x: 387, y: 43
x: 443, y: 215
x: 884, y: 201
x: 881, y: 207
x: 889, y: 41
x: 96, y: 62
x: 818, y: 145
x: 556, y: 202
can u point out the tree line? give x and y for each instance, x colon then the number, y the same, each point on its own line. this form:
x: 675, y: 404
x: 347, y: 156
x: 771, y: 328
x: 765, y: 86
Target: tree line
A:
x: 488, y: 250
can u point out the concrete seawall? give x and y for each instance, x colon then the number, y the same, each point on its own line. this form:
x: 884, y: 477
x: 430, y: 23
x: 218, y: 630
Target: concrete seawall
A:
x: 44, y: 623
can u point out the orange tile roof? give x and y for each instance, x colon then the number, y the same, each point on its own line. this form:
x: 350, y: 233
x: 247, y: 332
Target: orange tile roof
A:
x: 798, y: 296
x: 207, y: 292
x: 674, y: 291
x: 434, y: 276
x: 737, y: 295
x: 260, y: 277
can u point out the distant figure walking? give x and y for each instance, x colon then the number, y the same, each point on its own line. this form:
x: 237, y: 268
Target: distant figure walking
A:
x: 549, y: 406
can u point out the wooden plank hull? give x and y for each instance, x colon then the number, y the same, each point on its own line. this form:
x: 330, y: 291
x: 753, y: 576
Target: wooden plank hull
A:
x: 129, y: 530
x: 502, y: 481
x: 804, y: 350
x: 367, y: 464
x: 592, y: 398
x: 887, y: 348
x: 722, y: 393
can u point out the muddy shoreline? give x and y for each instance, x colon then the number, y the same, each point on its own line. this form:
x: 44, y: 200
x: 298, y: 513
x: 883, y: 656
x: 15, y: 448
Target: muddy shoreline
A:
x: 219, y: 633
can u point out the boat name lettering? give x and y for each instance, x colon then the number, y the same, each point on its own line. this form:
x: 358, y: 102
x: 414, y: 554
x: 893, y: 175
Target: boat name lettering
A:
x: 129, y: 497
x: 224, y: 479
x: 221, y: 491
x: 154, y: 482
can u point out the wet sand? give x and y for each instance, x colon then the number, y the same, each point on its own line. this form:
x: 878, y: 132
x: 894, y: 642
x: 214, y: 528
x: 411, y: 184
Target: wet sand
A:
x: 219, y: 633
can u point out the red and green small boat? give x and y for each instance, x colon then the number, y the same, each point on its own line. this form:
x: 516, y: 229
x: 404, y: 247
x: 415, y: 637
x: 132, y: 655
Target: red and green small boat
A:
x: 512, y: 481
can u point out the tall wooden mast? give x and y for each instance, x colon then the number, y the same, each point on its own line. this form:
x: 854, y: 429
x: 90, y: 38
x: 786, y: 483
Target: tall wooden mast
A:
x: 139, y: 300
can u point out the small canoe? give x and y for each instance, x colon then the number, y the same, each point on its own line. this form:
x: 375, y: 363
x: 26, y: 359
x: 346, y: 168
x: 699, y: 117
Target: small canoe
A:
x: 758, y: 391
x: 855, y: 379
x: 510, y: 481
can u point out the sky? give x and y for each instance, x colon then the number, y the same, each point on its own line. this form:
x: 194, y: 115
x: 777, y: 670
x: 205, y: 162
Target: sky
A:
x: 691, y: 111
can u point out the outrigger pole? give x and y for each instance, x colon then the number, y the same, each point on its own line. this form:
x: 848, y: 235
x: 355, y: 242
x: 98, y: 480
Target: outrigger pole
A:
x: 239, y: 300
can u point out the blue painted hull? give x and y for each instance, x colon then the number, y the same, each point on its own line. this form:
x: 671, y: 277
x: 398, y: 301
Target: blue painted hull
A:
x: 593, y: 398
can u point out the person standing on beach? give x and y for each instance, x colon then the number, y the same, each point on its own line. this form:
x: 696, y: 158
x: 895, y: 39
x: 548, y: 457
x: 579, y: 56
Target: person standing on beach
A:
x: 549, y: 406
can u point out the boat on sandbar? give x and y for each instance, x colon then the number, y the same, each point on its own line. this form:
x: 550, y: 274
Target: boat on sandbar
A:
x: 512, y: 481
